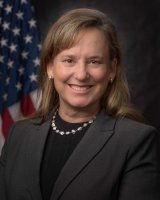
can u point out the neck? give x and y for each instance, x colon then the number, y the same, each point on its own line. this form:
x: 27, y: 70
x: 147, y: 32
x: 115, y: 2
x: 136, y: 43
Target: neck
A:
x: 77, y: 116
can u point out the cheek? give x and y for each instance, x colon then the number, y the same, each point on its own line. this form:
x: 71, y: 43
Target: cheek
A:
x: 102, y: 81
x: 61, y: 75
x: 101, y: 76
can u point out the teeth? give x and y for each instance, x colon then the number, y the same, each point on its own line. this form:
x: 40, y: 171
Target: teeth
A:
x: 80, y: 88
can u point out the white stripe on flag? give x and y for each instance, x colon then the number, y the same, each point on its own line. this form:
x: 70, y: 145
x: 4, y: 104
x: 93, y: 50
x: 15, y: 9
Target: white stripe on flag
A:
x: 15, y: 111
x: 35, y: 98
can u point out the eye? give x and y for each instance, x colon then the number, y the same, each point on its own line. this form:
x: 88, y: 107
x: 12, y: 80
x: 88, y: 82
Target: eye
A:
x: 70, y: 61
x: 95, y: 62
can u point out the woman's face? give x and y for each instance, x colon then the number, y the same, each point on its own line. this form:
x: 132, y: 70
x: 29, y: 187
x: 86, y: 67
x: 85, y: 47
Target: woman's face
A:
x: 82, y: 73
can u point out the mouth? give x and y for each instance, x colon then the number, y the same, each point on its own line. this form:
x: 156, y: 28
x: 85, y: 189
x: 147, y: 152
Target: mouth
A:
x: 80, y: 88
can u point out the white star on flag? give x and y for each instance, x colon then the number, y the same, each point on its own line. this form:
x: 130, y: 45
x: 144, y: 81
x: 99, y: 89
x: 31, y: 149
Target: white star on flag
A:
x: 19, y: 86
x: 5, y: 25
x: 13, y: 47
x: 36, y: 61
x: 20, y: 15
x: 23, y: 1
x: 33, y: 77
x: 21, y: 70
x: 8, y: 9
x: 16, y: 31
x: 1, y: 59
x: 5, y: 96
x: 8, y: 80
x: 1, y: 4
x: 24, y: 54
x: 32, y: 23
x: 28, y: 39
x: 39, y: 46
x: 10, y: 64
x: 3, y: 42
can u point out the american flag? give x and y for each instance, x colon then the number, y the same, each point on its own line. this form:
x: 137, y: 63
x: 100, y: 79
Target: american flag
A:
x: 19, y: 62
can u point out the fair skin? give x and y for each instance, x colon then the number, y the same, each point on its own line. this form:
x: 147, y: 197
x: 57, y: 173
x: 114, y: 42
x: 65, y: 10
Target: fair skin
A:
x: 81, y: 75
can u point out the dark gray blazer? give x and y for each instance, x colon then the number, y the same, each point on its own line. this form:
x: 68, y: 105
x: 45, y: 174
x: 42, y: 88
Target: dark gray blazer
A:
x: 115, y: 160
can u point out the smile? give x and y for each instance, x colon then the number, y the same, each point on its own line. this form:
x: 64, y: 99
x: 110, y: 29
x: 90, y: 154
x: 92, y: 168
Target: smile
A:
x: 80, y: 88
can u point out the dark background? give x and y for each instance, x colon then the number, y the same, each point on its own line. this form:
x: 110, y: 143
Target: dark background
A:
x: 138, y: 25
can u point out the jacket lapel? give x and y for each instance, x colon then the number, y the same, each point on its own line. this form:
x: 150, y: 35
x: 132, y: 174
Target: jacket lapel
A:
x: 95, y: 138
x: 35, y: 147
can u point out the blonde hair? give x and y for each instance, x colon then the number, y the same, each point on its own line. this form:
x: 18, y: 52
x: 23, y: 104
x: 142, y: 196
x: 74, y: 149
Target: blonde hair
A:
x: 61, y: 36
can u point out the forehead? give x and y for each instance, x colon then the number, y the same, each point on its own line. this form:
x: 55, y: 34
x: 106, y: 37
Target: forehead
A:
x: 90, y: 40
x: 90, y: 34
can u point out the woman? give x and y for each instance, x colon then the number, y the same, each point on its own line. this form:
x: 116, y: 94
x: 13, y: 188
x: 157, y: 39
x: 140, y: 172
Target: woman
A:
x: 85, y: 141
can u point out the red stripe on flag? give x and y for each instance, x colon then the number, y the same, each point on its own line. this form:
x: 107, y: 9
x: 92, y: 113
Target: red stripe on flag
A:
x: 7, y: 121
x: 27, y: 107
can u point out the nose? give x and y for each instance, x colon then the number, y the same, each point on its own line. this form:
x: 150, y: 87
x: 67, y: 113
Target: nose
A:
x: 81, y: 73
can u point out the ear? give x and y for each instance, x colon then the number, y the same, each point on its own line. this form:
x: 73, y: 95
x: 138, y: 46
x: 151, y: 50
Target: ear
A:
x: 50, y: 70
x: 113, y: 69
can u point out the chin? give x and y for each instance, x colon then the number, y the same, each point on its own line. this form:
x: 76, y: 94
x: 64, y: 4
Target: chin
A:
x: 79, y: 104
x: 82, y: 105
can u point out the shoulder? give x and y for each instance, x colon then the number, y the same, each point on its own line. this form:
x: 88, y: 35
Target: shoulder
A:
x: 125, y: 127
x: 136, y: 133
x: 21, y: 125
x: 128, y: 125
x: 131, y: 125
x: 21, y: 129
x: 31, y: 122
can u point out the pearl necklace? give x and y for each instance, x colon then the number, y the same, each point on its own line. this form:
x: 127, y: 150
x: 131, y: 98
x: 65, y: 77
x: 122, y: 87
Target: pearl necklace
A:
x: 85, y: 124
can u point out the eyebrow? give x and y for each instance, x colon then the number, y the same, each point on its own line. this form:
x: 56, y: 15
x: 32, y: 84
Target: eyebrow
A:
x: 95, y: 57
x: 68, y: 55
x: 90, y: 57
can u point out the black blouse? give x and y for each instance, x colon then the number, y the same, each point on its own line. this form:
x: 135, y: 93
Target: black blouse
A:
x: 57, y: 150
